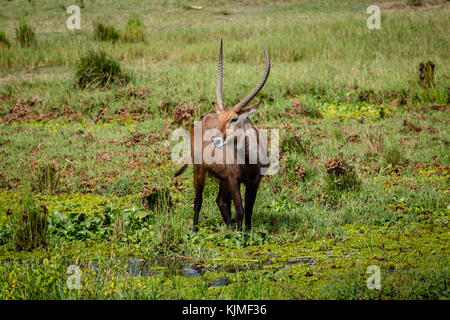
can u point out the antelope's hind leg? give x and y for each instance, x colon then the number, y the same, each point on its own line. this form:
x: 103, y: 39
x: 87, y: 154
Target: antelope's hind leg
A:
x: 237, y: 201
x: 223, y: 201
x: 199, y: 183
x: 250, y: 197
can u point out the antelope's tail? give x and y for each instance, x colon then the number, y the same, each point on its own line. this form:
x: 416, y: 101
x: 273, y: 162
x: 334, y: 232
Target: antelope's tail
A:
x: 181, y: 170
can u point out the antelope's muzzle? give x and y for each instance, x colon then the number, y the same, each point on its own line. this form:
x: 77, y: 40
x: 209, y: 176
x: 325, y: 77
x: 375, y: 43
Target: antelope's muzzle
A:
x: 218, y: 143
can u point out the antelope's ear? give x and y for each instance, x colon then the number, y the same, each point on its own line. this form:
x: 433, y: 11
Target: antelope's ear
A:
x: 245, y: 113
x: 216, y: 107
x: 251, y: 109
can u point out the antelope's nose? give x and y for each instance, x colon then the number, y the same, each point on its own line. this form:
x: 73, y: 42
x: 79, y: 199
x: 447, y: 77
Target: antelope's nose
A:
x: 217, y: 142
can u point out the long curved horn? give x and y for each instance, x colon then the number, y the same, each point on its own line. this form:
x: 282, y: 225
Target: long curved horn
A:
x: 220, y: 80
x: 258, y: 88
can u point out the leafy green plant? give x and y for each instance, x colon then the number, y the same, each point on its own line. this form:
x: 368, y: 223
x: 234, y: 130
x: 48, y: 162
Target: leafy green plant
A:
x: 129, y: 224
x: 79, y: 226
x: 25, y: 34
x: 134, y: 30
x: 109, y: 221
x: 283, y: 202
x: 98, y: 69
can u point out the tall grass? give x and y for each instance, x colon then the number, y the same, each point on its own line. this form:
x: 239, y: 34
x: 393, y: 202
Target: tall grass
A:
x: 98, y: 69
x: 29, y: 225
x: 25, y: 34
x: 4, y: 41
x: 47, y: 179
x: 134, y: 30
x: 105, y: 33
x: 305, y: 60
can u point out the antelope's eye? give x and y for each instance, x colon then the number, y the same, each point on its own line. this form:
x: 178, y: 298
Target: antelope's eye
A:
x: 233, y: 119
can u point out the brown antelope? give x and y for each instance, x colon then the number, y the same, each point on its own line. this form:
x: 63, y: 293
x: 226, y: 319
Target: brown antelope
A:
x: 227, y: 126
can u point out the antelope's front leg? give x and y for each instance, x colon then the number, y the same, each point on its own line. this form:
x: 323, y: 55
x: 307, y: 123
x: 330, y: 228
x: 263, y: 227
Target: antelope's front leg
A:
x: 250, y: 196
x: 237, y: 200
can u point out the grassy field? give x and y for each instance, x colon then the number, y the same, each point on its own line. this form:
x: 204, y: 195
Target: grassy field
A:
x: 86, y: 176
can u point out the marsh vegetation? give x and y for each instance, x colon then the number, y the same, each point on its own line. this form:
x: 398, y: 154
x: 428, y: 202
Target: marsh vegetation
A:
x: 86, y: 177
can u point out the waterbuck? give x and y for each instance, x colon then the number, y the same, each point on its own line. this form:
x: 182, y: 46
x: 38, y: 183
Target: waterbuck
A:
x: 231, y: 163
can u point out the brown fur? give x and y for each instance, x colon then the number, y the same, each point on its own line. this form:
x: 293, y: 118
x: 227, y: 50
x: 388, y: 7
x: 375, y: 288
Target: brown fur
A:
x: 230, y: 176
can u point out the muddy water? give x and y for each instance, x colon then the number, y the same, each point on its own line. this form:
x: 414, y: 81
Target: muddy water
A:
x: 189, y: 267
x: 138, y: 267
x: 186, y: 268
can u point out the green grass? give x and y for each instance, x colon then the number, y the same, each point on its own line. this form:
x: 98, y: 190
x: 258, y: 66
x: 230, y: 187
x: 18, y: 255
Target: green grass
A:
x: 105, y: 33
x: 29, y: 225
x: 92, y: 144
x: 134, y: 30
x: 25, y: 34
x: 98, y: 69
x: 4, y: 41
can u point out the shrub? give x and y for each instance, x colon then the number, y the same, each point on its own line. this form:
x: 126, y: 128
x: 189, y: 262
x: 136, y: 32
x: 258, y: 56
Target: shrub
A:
x: 4, y: 41
x: 29, y: 225
x: 341, y: 176
x: 25, y: 34
x: 105, y: 33
x: 134, y: 30
x: 97, y: 69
